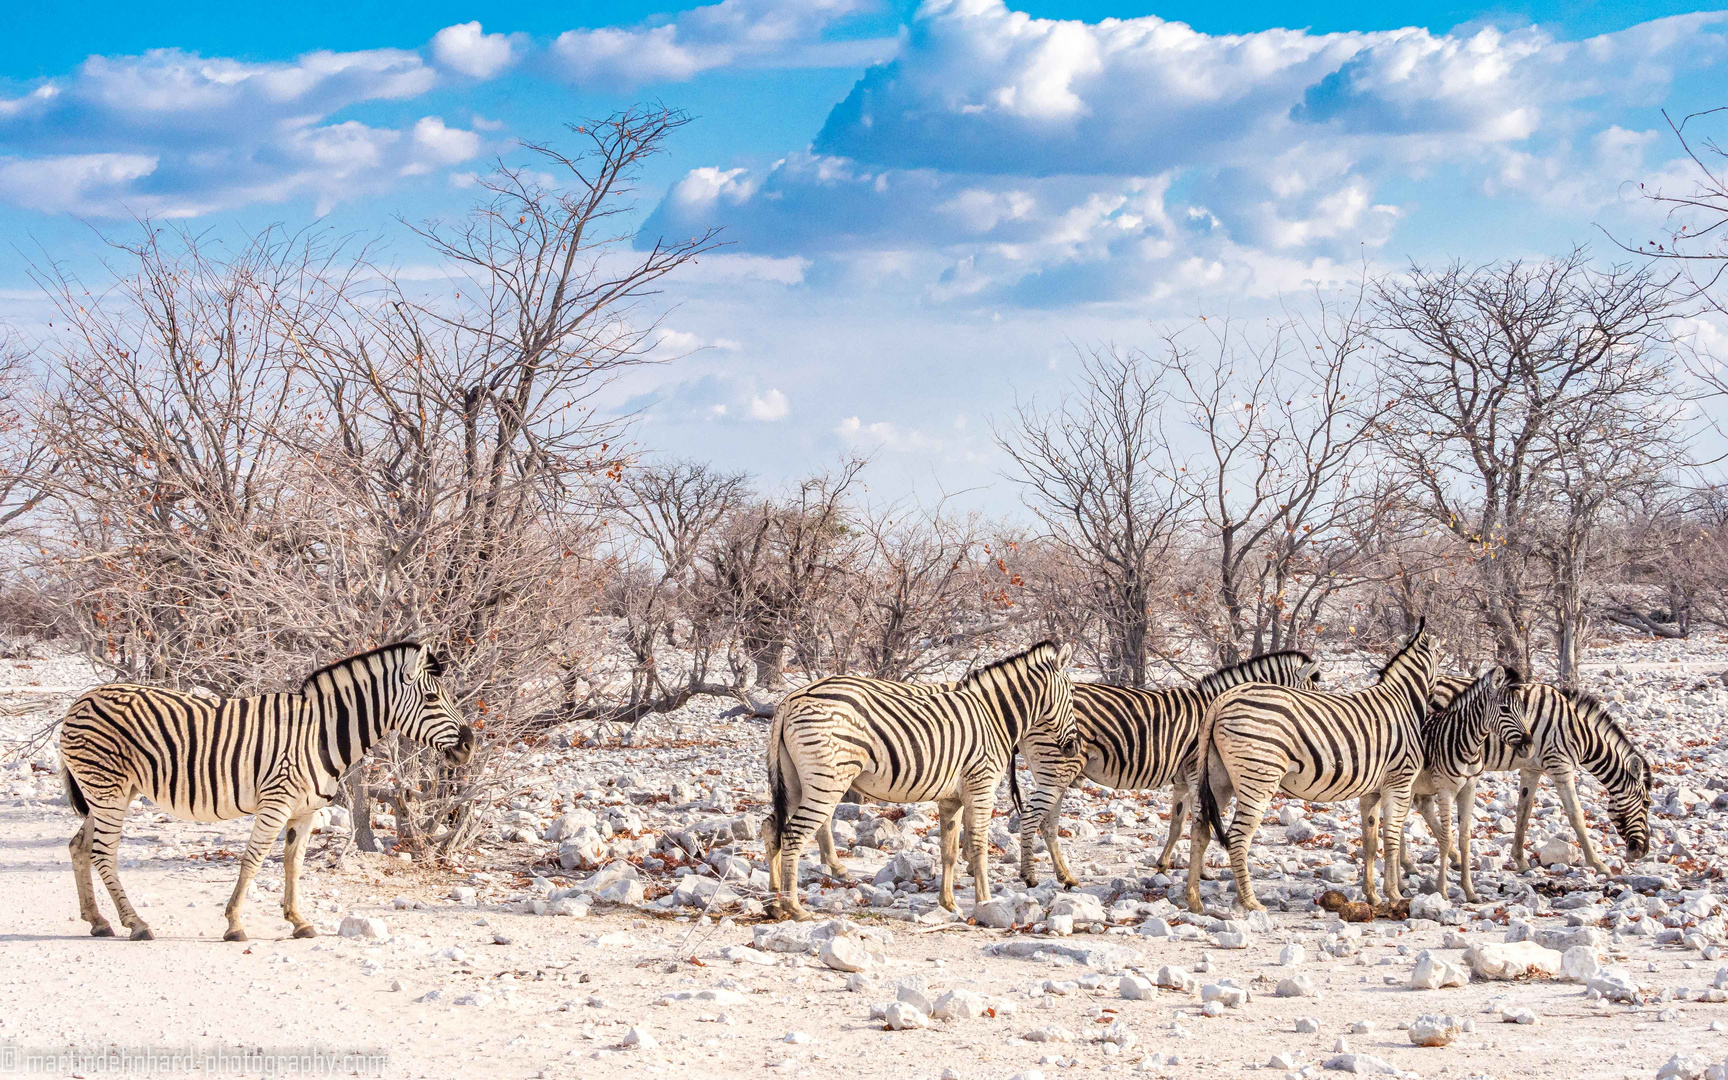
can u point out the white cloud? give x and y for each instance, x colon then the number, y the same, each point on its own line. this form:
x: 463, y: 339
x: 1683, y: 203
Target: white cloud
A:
x: 769, y: 406
x: 715, y: 397
x: 762, y: 33
x: 465, y: 48
x: 174, y: 134
x: 1001, y: 157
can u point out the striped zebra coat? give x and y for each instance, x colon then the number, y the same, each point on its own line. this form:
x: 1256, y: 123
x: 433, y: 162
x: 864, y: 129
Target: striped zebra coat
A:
x: 277, y: 757
x: 1455, y: 738
x: 1257, y: 740
x: 1570, y: 731
x: 905, y: 742
x: 1132, y: 739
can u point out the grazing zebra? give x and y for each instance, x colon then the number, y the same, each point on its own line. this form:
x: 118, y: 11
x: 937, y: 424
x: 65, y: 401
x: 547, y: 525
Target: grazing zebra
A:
x: 905, y: 742
x: 278, y: 757
x: 1140, y: 739
x: 1455, y: 738
x: 1569, y: 731
x: 1258, y: 739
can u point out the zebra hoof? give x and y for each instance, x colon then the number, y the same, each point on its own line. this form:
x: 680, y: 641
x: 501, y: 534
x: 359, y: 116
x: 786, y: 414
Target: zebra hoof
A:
x: 142, y: 933
x: 305, y: 931
x: 235, y: 935
x: 101, y: 929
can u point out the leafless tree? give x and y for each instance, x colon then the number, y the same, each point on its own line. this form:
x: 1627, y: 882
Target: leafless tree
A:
x: 1096, y: 471
x: 672, y: 512
x: 1487, y: 369
x: 1284, y: 429
x: 775, y: 567
x: 274, y: 457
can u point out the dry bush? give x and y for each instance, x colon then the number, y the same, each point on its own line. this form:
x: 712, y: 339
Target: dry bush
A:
x: 275, y: 456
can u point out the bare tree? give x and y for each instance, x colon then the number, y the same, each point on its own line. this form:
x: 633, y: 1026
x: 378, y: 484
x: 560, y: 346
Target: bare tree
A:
x: 1486, y: 370
x: 1096, y: 472
x: 776, y: 565
x: 1284, y: 431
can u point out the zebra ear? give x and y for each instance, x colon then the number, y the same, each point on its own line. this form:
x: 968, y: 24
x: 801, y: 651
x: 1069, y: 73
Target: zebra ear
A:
x: 1064, y: 653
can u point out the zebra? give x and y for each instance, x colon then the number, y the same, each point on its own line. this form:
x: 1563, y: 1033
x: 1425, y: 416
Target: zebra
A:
x: 1569, y: 731
x: 905, y: 742
x: 277, y: 757
x: 1258, y: 739
x: 1455, y: 737
x: 1132, y: 739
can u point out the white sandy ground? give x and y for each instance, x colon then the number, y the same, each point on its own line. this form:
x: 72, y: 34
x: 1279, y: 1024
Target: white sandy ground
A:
x: 559, y: 995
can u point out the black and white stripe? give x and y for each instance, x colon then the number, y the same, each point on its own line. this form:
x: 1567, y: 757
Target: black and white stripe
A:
x: 277, y: 757
x: 1257, y: 740
x: 1570, y: 732
x: 1133, y: 739
x: 905, y: 742
x: 1455, y: 738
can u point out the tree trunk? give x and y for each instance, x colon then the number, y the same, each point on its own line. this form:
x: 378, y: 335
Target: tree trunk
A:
x: 359, y: 798
x: 768, y: 652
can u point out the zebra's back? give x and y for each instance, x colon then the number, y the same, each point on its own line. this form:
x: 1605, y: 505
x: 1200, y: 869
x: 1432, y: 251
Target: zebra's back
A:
x: 908, y: 741
x: 197, y: 758
x: 1322, y: 747
x: 1137, y: 738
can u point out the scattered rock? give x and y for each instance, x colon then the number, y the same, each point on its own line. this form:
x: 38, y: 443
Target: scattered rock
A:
x: 1298, y: 986
x: 1433, y: 973
x: 1430, y: 1030
x: 360, y: 926
x: 1512, y: 960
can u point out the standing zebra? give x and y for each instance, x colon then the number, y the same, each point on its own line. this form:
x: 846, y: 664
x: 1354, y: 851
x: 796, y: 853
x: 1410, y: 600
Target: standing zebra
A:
x: 1569, y: 731
x: 1141, y: 739
x: 902, y: 742
x: 1455, y: 738
x: 278, y: 757
x: 1258, y: 739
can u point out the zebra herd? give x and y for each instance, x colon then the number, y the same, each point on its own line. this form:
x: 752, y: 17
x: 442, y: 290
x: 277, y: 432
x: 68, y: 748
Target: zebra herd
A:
x: 1244, y: 734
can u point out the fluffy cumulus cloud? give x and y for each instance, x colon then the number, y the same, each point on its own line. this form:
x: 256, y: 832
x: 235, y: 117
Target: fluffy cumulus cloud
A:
x: 1011, y: 157
x: 466, y: 48
x: 730, y: 33
x: 175, y: 134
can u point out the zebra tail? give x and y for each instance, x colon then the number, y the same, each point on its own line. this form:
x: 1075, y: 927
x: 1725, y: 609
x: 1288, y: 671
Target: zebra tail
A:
x: 74, y: 793
x: 1208, y: 802
x: 1014, y: 789
x: 777, y: 782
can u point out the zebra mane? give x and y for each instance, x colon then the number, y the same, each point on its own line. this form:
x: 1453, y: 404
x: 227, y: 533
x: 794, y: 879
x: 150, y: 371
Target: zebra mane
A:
x: 1471, y: 696
x: 1421, y: 628
x: 1225, y: 677
x: 1045, y: 652
x: 432, y: 662
x: 1591, y: 710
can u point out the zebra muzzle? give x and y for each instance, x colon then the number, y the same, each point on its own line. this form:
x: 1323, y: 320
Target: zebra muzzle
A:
x: 458, y: 752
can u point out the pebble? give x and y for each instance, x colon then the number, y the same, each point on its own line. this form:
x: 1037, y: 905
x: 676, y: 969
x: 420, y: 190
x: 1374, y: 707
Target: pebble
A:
x: 1431, y: 1030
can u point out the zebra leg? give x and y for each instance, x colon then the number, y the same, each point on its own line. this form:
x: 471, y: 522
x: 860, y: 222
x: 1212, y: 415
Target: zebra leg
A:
x: 825, y: 843
x: 1250, y: 809
x: 1466, y: 810
x: 1526, y: 799
x: 1397, y: 809
x: 1200, y: 836
x: 1051, y: 828
x: 1425, y: 806
x: 87, y: 910
x: 948, y: 816
x: 979, y: 805
x: 104, y: 823
x: 1568, y: 789
x: 266, y: 827
x: 1179, y: 810
x: 1371, y: 825
x: 1443, y: 801
x: 293, y: 856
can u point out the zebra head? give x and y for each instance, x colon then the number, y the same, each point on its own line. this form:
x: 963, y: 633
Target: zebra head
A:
x: 1513, y: 728
x: 1057, y: 715
x: 1629, y: 808
x: 425, y: 714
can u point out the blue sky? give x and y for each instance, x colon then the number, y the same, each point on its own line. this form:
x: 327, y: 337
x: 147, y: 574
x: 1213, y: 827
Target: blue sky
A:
x: 928, y: 206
